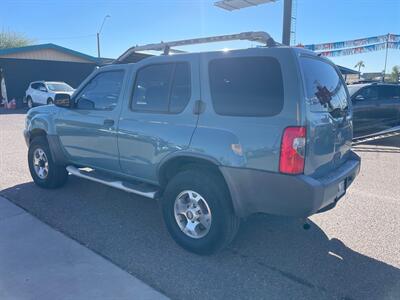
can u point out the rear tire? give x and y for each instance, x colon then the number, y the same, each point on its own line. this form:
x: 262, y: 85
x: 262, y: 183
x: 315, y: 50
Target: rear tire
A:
x: 44, y: 170
x: 29, y: 102
x: 223, y: 223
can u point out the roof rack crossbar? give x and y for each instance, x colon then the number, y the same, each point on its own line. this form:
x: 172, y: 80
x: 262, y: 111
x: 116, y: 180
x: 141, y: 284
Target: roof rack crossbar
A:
x: 166, y: 47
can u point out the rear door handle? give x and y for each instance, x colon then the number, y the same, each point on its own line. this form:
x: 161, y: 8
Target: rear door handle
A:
x: 108, y: 122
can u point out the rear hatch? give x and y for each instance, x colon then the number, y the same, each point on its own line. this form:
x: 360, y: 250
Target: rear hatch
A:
x: 329, y: 124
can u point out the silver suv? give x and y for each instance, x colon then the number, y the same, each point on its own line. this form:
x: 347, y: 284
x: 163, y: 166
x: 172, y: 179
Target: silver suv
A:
x: 43, y: 92
x: 215, y: 136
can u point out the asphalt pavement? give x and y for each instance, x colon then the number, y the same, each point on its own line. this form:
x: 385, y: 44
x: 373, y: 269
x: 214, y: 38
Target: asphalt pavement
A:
x: 38, y: 262
x: 350, y: 252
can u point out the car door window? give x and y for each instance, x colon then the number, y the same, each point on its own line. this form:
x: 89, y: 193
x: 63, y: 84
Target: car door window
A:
x: 102, y: 92
x: 42, y: 87
x: 162, y: 88
x: 388, y: 92
x: 35, y: 86
x: 369, y: 93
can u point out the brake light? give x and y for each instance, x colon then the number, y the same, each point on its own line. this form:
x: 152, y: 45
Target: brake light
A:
x: 293, y: 150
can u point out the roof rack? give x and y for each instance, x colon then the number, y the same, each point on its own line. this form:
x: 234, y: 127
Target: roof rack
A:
x: 166, y: 47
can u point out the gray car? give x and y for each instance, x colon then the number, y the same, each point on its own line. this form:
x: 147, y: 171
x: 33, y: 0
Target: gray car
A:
x: 215, y: 136
x: 376, y: 107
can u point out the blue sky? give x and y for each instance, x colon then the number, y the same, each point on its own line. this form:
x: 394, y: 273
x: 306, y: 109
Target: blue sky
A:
x: 73, y: 23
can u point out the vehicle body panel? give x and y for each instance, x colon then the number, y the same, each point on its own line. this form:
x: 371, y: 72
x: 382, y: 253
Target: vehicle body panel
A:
x: 147, y: 138
x: 258, y: 138
x: 329, y: 136
x: 86, y: 135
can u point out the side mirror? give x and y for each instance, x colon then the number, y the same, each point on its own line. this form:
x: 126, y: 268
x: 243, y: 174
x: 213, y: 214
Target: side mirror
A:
x: 84, y: 103
x: 42, y: 89
x: 359, y: 98
x: 63, y: 100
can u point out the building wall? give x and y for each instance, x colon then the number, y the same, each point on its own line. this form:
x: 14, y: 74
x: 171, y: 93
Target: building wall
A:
x: 351, y: 78
x: 46, y: 54
x: 19, y: 73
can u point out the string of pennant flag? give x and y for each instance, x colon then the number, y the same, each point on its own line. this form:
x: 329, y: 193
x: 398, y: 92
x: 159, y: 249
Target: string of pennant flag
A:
x: 376, y: 43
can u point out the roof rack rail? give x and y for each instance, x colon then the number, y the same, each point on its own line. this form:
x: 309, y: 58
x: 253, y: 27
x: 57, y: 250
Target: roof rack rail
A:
x: 166, y: 47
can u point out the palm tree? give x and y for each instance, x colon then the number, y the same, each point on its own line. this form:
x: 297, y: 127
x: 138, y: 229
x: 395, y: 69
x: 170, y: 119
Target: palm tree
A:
x: 359, y: 65
x: 396, y: 74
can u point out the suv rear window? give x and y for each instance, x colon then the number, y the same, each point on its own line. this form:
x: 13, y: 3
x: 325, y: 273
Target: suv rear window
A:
x: 246, y: 86
x: 324, y: 87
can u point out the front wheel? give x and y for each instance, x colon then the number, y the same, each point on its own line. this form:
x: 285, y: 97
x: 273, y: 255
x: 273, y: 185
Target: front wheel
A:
x: 198, y: 213
x: 44, y: 171
x: 50, y: 101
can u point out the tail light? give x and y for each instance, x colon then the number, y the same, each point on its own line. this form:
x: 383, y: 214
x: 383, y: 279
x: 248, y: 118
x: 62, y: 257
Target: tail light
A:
x: 293, y: 150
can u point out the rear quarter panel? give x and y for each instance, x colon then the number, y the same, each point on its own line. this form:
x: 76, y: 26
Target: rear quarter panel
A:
x: 257, y: 139
x: 328, y: 139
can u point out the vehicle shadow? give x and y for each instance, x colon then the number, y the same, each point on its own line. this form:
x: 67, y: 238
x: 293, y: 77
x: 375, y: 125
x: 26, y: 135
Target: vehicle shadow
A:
x: 270, y: 258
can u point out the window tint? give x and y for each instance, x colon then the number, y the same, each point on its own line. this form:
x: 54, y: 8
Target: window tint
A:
x: 181, y: 90
x: 246, y: 86
x: 102, y: 92
x: 162, y: 88
x: 370, y: 93
x: 35, y: 85
x: 324, y: 87
x: 41, y: 87
x: 388, y: 92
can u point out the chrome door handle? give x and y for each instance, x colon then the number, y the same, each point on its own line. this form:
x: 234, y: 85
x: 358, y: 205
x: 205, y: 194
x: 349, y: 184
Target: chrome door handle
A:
x: 108, y: 122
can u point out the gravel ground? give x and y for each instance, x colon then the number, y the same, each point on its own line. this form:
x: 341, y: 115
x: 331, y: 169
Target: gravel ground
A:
x: 351, y: 252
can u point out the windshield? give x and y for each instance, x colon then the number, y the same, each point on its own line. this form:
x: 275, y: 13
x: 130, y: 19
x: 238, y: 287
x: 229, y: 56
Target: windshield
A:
x: 59, y: 87
x: 324, y: 87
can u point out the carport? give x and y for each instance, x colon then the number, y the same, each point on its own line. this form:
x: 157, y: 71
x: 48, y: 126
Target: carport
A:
x: 22, y: 65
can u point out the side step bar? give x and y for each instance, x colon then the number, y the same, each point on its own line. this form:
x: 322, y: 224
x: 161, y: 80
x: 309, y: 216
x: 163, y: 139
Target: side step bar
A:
x: 141, y: 189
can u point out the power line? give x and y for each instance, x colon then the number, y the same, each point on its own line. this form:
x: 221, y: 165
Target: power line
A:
x: 67, y: 37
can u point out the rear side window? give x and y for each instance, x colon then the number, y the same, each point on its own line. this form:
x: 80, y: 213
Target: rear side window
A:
x: 387, y: 92
x: 162, y: 88
x: 246, y: 86
x: 324, y: 87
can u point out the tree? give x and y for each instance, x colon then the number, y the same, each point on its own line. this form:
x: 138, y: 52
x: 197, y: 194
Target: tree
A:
x: 359, y: 65
x: 396, y: 74
x: 11, y: 39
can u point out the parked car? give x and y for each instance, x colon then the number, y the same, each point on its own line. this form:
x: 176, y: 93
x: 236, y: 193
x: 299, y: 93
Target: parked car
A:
x: 376, y: 107
x: 216, y: 136
x: 43, y: 92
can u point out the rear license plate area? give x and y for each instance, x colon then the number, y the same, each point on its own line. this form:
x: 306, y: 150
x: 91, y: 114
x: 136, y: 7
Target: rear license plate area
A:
x: 341, y: 189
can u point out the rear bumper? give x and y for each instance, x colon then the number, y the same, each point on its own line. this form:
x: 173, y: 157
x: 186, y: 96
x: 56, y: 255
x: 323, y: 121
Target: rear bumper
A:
x: 255, y: 191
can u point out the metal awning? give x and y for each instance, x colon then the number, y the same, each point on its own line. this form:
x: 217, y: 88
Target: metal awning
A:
x: 239, y: 4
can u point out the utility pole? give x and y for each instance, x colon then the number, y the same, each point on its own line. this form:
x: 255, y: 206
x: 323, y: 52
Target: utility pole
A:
x: 287, y: 22
x: 98, y: 35
x: 98, y: 44
x: 386, y: 56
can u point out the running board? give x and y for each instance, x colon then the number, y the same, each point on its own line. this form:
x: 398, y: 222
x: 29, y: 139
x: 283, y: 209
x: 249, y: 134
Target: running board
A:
x: 137, y: 188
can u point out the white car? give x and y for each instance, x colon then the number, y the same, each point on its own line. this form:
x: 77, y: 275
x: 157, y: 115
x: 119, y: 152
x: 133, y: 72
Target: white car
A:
x: 43, y: 92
